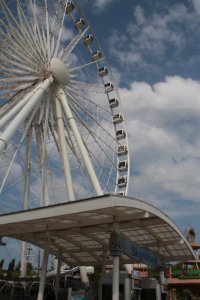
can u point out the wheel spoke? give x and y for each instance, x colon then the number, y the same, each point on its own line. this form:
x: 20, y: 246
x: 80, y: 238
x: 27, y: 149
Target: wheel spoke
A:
x: 66, y: 52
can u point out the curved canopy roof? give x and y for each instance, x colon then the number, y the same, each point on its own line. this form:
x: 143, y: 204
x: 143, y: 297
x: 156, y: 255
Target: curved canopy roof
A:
x: 80, y: 231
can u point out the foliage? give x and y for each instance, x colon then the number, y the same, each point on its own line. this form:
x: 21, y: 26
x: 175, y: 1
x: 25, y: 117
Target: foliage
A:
x: 1, y: 264
x: 11, y: 267
x: 17, y: 271
x: 30, y: 269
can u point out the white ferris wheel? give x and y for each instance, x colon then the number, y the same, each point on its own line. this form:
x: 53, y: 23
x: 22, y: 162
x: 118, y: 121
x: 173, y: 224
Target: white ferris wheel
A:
x: 62, y: 130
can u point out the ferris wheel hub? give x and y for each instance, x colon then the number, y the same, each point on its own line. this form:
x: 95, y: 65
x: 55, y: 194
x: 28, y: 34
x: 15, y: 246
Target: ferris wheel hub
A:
x: 60, y: 71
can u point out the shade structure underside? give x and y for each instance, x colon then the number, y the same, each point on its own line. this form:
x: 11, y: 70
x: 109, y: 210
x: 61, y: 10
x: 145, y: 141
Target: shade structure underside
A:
x: 80, y: 231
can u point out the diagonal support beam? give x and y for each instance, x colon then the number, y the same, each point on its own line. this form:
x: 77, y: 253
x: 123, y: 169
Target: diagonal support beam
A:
x: 9, y: 132
x: 78, y: 138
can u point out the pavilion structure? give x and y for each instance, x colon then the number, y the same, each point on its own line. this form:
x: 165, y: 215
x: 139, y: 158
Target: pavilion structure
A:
x: 79, y: 233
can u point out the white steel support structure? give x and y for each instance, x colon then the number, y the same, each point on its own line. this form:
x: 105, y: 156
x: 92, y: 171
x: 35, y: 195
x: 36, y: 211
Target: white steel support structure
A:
x: 44, y: 270
x: 26, y: 204
x: 32, y: 57
x: 63, y: 150
x: 82, y: 148
x: 8, y: 133
x: 11, y: 114
x: 19, y: 114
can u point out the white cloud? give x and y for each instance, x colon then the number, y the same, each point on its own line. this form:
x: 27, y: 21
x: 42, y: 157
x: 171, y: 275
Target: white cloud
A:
x: 102, y: 4
x: 196, y: 4
x: 153, y: 40
x: 99, y: 5
x: 163, y: 124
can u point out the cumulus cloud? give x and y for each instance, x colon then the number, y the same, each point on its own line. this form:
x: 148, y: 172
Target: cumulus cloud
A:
x: 163, y: 123
x: 99, y: 5
x: 158, y: 39
x: 196, y: 5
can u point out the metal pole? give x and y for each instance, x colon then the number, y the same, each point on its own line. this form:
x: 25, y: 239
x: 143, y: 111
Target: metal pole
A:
x: 26, y: 200
x: 24, y: 260
x: 115, y: 285
x: 69, y: 297
x: 115, y: 282
x: 44, y: 270
x: 127, y: 288
x: 79, y: 141
x: 57, y: 279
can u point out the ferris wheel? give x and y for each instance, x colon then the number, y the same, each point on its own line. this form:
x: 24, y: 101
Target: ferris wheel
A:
x: 62, y: 129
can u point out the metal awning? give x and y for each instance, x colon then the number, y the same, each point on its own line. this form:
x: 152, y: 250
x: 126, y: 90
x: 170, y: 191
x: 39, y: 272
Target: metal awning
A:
x: 80, y: 231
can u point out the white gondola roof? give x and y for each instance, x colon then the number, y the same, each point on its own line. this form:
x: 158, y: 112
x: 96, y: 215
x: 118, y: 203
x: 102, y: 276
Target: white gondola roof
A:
x: 80, y: 231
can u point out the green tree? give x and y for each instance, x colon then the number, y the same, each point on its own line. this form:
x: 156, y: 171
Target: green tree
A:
x: 1, y: 267
x: 30, y: 269
x: 16, y: 271
x: 11, y: 267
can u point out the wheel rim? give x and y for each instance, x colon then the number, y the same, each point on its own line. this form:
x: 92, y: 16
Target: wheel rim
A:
x: 31, y: 161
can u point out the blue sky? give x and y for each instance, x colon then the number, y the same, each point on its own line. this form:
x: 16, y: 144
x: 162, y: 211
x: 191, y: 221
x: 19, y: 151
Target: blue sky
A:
x: 150, y: 39
x: 153, y: 49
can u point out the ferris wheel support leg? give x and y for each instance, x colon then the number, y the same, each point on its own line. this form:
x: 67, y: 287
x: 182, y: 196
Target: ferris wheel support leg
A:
x: 26, y: 201
x: 6, y: 136
x: 64, y: 154
x: 82, y: 148
x: 14, y: 110
x: 42, y: 156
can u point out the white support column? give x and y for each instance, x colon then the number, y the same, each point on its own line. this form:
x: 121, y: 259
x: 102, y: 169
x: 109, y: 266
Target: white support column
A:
x: 9, y: 132
x: 15, y: 109
x: 64, y: 153
x: 44, y: 270
x: 127, y: 289
x: 79, y: 141
x: 69, y: 296
x: 26, y: 200
x: 23, y: 260
x: 115, y: 283
x: 57, y: 279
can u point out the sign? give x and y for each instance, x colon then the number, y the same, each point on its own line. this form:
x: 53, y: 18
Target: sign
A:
x: 136, y: 274
x: 119, y: 245
x: 136, y: 282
